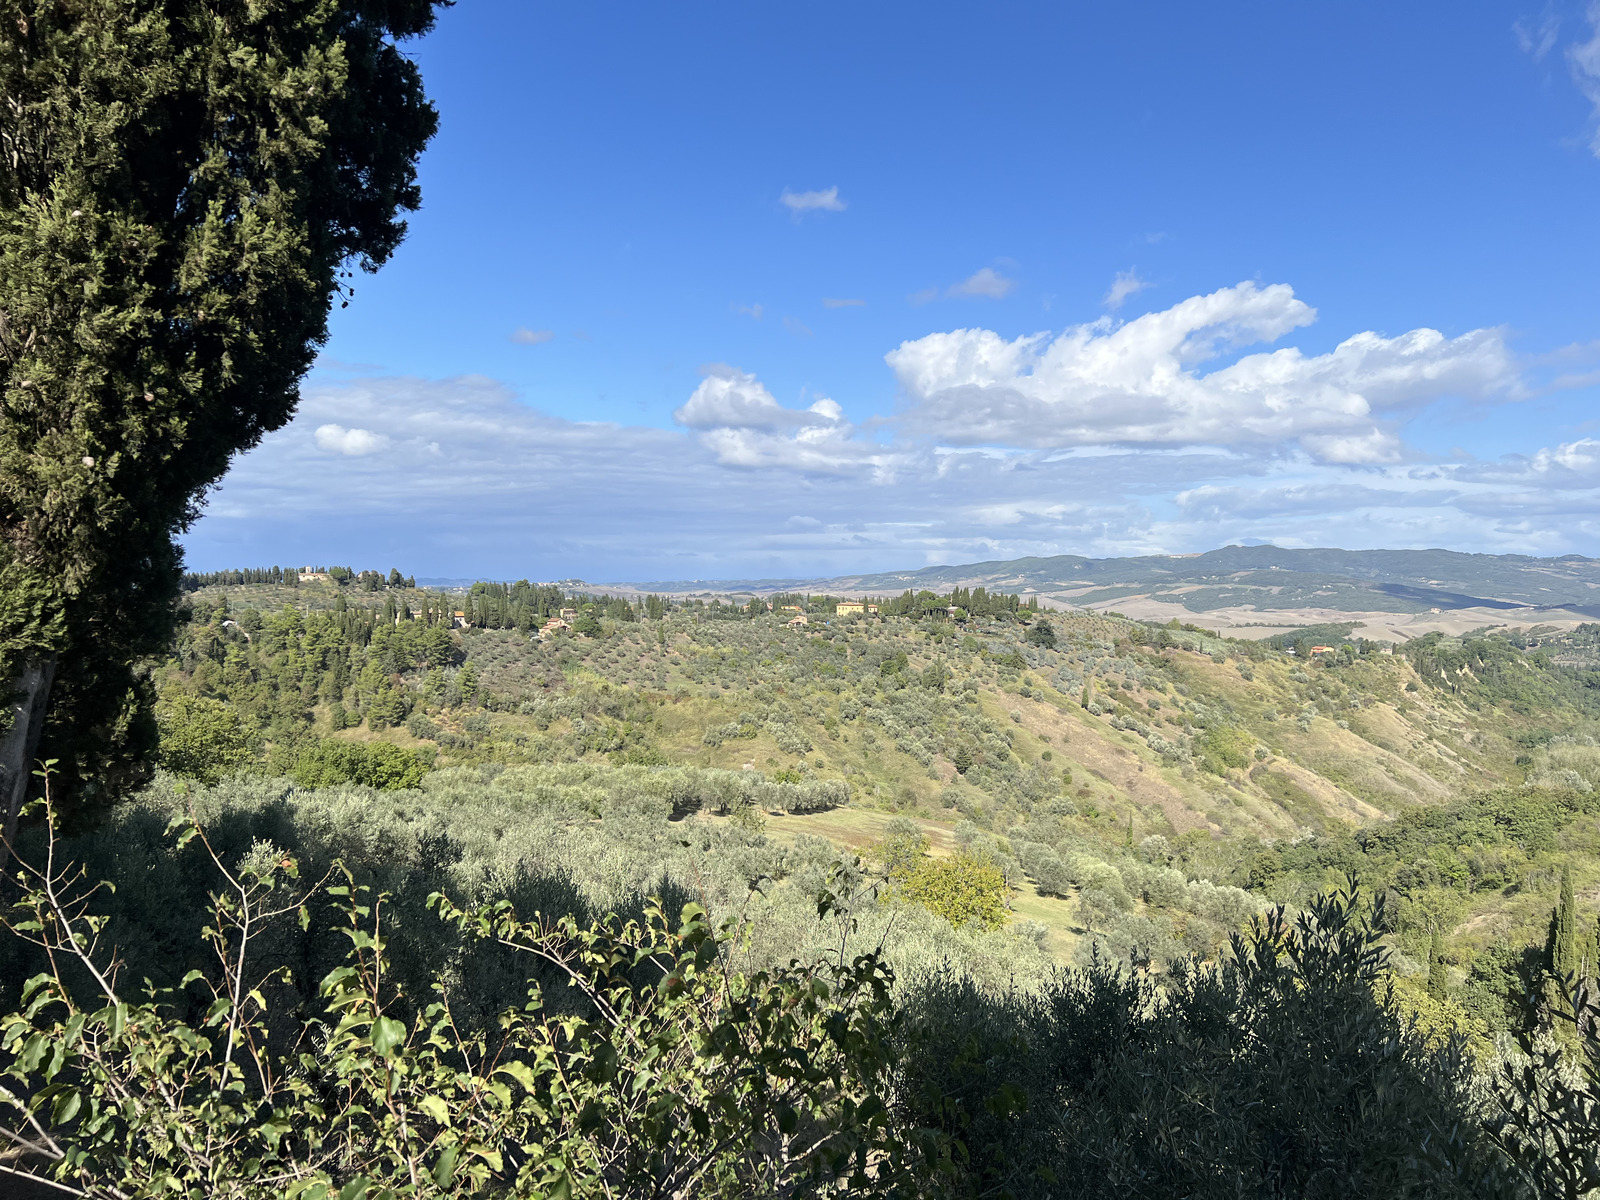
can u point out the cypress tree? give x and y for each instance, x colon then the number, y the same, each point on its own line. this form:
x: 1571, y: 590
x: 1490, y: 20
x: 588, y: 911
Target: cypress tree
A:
x: 1561, y: 957
x: 1561, y: 946
x: 1438, y: 977
x: 185, y: 187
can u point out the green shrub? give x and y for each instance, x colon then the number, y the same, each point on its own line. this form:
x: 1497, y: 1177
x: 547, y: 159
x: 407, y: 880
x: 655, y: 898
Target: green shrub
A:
x: 1042, y: 633
x: 902, y: 850
x: 677, y: 1075
x: 200, y: 737
x: 1280, y: 1072
x: 1222, y: 747
x: 380, y: 765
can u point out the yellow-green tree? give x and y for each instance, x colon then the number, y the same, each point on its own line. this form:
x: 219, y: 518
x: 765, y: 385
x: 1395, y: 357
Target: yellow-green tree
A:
x: 960, y: 889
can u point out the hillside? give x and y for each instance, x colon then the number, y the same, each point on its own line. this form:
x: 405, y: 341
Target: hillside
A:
x: 1063, y: 746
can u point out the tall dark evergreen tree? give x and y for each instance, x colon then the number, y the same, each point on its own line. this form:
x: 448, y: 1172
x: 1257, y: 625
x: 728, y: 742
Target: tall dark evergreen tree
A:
x: 1561, y: 946
x: 1562, y: 957
x: 1438, y: 975
x: 184, y: 185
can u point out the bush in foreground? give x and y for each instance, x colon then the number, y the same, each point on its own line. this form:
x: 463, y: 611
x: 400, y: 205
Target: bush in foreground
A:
x: 676, y: 1077
x: 1279, y: 1072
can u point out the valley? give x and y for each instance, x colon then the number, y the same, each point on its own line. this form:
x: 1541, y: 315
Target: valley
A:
x: 1085, y: 753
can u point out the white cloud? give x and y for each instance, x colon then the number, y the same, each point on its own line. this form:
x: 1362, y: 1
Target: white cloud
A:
x: 1574, y: 464
x: 729, y: 397
x: 797, y: 327
x: 1127, y: 283
x: 745, y: 426
x: 804, y: 202
x: 1537, y: 40
x: 1584, y: 60
x: 355, y: 443
x: 1314, y: 497
x: 749, y: 310
x: 1136, y: 382
x: 532, y: 337
x: 1172, y: 432
x: 1374, y: 446
x: 830, y: 302
x: 986, y: 282
x: 826, y: 449
x: 1581, y: 456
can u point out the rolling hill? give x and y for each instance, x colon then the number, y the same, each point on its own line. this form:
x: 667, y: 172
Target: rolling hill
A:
x: 1396, y: 594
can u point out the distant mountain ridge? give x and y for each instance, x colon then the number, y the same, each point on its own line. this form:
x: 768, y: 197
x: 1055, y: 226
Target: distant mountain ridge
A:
x: 1260, y: 578
x: 1459, y: 579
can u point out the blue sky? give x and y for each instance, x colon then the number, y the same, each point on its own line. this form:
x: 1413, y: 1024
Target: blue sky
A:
x: 718, y: 290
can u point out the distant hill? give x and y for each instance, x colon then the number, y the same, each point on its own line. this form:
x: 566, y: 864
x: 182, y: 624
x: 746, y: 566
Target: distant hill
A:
x: 1262, y: 585
x: 1272, y: 577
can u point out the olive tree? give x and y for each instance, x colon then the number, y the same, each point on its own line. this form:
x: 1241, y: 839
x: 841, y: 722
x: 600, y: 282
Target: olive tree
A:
x: 185, y: 189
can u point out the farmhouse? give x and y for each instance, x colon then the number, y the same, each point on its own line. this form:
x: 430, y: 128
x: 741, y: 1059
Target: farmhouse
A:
x: 846, y: 607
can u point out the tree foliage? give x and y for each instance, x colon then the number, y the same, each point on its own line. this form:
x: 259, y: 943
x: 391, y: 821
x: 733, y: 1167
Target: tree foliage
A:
x: 961, y: 889
x: 380, y: 765
x: 181, y: 189
x: 1548, y: 1100
x: 200, y: 737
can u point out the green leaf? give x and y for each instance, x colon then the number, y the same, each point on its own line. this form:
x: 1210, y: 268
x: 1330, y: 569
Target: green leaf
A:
x: 387, y: 1033
x: 444, y: 1171
x: 521, y: 1072
x: 66, y: 1106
